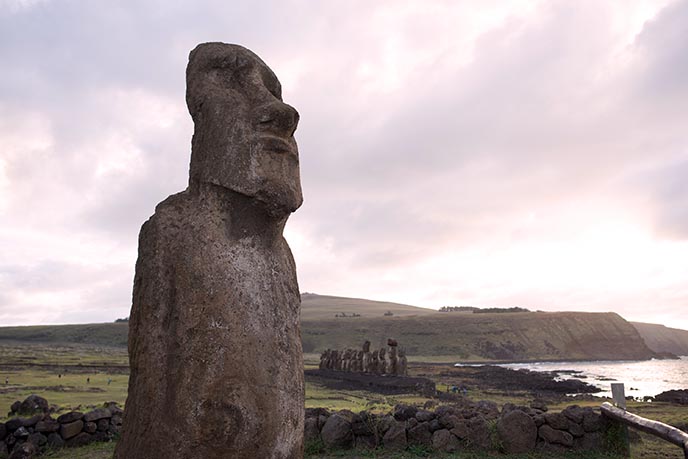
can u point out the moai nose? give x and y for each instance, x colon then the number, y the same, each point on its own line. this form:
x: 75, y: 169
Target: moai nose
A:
x: 278, y: 118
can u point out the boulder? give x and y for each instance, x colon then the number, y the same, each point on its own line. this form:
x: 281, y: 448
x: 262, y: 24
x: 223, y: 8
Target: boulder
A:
x: 460, y: 429
x: 47, y: 426
x: 337, y: 433
x: 24, y: 451
x: 80, y: 439
x: 113, y: 408
x: 591, y: 441
x: 33, y: 404
x: 538, y: 404
x: 70, y: 417
x: 395, y: 437
x: 575, y: 413
x: 479, y: 436
x: 425, y: 415
x: 13, y: 424
x: 420, y: 435
x: 38, y: 439
x: 557, y: 421
x: 90, y: 427
x: 592, y: 422
x: 311, y: 431
x: 558, y: 437
x: 100, y: 413
x: 443, y: 440
x: 21, y: 432
x: 366, y: 442
x: 14, y: 408
x: 71, y: 429
x: 3, y: 449
x: 676, y: 396
x: 102, y: 425
x: 404, y: 412
x: 55, y: 441
x: 3, y: 431
x: 517, y: 432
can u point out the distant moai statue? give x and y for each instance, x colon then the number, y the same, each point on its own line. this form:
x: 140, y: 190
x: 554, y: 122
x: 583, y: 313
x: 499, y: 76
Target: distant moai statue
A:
x: 214, y: 340
x: 366, y: 359
x: 381, y: 362
x: 374, y: 364
x: 323, y: 359
x: 402, y: 365
x: 392, y: 368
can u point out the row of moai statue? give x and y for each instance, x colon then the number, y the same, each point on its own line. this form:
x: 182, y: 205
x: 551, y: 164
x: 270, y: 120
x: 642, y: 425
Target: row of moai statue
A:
x: 390, y: 361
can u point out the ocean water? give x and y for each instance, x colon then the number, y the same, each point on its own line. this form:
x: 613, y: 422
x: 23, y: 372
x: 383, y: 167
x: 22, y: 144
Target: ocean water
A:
x: 641, y: 378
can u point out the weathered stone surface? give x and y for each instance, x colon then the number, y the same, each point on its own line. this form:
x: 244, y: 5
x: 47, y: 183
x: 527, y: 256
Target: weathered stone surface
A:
x: 47, y: 425
x: 557, y: 421
x: 576, y: 430
x: 3, y: 431
x: 425, y: 415
x: 38, y: 439
x: 55, y: 441
x: 366, y: 442
x: 102, y: 425
x: 517, y: 432
x: 3, y: 449
x: 575, y: 413
x: 404, y: 412
x: 71, y: 429
x: 592, y: 422
x: 395, y: 437
x: 460, y: 429
x: 100, y: 413
x: 24, y: 451
x: 113, y: 408
x: 479, y: 433
x: 215, y: 348
x: 337, y: 433
x: 443, y: 440
x: 80, y: 439
x: 90, y: 427
x: 33, y: 404
x: 311, y: 431
x: 14, y: 408
x: 558, y: 437
x: 420, y: 435
x: 591, y: 441
x: 14, y: 423
x: 70, y: 417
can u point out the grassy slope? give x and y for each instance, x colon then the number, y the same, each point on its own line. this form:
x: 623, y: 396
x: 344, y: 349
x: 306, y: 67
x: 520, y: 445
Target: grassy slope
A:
x: 663, y: 339
x: 506, y: 336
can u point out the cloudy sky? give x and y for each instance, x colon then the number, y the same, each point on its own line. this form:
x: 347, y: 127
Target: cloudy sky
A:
x: 487, y: 153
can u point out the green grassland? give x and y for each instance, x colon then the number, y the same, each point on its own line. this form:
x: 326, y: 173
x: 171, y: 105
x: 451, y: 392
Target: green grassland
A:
x: 36, y: 368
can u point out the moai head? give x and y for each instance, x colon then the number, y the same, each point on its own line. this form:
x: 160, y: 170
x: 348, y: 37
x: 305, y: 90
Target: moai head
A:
x: 382, y: 353
x: 366, y: 346
x: 244, y: 134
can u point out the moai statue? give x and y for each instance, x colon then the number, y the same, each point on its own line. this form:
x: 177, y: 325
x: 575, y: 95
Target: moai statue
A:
x: 359, y: 361
x: 374, y: 364
x: 338, y: 360
x: 214, y: 341
x: 402, y: 364
x: 366, y: 359
x: 346, y: 361
x: 381, y: 362
x: 331, y: 359
x: 323, y: 359
x: 392, y: 367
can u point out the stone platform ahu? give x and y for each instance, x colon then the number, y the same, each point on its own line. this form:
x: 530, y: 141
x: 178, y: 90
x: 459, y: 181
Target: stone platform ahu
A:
x: 214, y: 341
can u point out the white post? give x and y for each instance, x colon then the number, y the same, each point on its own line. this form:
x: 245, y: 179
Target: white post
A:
x: 619, y: 395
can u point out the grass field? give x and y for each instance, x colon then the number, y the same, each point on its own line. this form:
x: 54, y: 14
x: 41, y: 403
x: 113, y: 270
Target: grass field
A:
x: 59, y: 373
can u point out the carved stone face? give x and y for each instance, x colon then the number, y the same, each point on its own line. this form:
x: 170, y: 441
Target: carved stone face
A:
x: 244, y: 132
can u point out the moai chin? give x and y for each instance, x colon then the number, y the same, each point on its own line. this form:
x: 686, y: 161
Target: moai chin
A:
x: 214, y: 341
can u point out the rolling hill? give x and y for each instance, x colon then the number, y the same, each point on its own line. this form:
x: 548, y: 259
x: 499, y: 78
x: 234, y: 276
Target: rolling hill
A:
x: 461, y: 335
